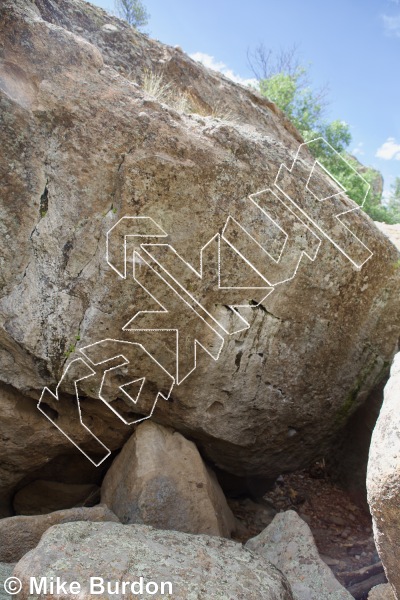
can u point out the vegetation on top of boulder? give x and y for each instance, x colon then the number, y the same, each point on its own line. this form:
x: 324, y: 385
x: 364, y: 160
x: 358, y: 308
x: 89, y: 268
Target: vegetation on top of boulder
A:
x: 286, y: 82
x: 133, y: 12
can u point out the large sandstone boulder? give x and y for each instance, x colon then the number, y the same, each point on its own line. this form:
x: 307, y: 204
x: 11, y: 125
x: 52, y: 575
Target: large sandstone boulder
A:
x: 383, y: 478
x: 159, y: 479
x: 200, y: 567
x: 349, y: 457
x: 20, y: 534
x: 85, y: 145
x: 289, y: 545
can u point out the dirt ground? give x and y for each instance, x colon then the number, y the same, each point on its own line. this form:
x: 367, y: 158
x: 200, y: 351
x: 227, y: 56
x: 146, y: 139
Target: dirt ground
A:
x: 342, y: 530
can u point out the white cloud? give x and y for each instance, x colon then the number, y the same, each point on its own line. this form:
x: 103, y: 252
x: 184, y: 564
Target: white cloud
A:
x: 391, y: 25
x: 389, y: 150
x: 358, y: 150
x: 209, y: 61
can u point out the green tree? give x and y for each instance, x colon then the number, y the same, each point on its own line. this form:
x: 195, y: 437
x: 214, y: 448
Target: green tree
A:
x: 393, y: 204
x: 284, y: 81
x: 133, y: 12
x: 298, y: 101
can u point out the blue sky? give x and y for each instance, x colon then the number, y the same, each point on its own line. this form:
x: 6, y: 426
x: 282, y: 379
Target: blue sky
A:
x: 352, y: 45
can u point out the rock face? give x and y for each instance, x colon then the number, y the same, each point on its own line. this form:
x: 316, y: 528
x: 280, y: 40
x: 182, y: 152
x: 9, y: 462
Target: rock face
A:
x: 20, y: 534
x: 383, y: 478
x: 41, y: 497
x: 381, y: 592
x: 84, y: 146
x: 289, y: 545
x: 349, y: 459
x: 32, y: 448
x: 159, y: 479
x: 350, y: 454
x: 197, y: 566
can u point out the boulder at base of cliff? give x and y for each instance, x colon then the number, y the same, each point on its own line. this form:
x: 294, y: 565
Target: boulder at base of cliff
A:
x: 20, y: 534
x: 289, y: 545
x: 197, y: 566
x: 160, y: 479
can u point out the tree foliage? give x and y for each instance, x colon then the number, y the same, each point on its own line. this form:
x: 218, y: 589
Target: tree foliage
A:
x: 393, y: 204
x: 284, y: 81
x: 132, y: 11
x: 299, y: 102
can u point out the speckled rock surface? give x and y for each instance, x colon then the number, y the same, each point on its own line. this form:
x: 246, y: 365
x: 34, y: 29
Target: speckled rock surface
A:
x: 20, y: 534
x: 289, y: 544
x: 160, y: 479
x: 382, y: 592
x: 84, y: 145
x: 199, y: 567
x: 6, y: 570
x: 383, y: 478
